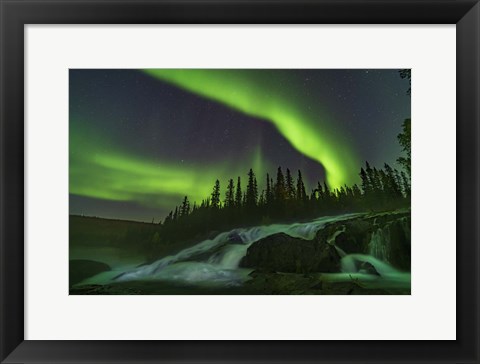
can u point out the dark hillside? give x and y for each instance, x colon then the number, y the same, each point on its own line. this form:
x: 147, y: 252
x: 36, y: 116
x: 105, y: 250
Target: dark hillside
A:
x: 95, y: 231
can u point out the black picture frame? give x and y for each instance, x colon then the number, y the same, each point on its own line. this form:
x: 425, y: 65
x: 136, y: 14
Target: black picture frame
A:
x: 17, y: 13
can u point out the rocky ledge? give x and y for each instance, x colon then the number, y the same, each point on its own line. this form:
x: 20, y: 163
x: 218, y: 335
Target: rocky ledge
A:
x: 275, y: 283
x: 385, y: 236
x: 283, y: 253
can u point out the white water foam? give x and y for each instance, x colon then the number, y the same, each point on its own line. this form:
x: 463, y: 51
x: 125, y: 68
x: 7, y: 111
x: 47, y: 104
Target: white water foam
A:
x: 224, y: 253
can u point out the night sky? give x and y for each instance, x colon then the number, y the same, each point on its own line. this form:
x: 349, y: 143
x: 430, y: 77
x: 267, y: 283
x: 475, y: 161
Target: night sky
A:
x: 140, y: 140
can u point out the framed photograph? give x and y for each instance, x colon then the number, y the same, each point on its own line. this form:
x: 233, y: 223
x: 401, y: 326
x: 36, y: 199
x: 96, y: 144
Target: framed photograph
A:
x: 239, y: 181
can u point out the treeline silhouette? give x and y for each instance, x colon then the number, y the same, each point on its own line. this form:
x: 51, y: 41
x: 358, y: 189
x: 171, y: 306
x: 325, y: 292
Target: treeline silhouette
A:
x: 283, y: 199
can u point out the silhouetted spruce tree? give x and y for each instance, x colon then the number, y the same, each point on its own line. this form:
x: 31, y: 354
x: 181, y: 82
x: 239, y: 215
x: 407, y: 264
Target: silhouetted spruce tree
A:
x: 366, y: 187
x: 386, y: 192
x: 268, y: 192
x: 280, y: 187
x: 376, y: 182
x: 261, y: 199
x: 398, y: 181
x: 238, y: 194
x: 185, y: 208
x: 290, y: 189
x: 175, y: 214
x: 169, y: 218
x: 301, y: 195
x: 349, y: 193
x: 342, y: 198
x: 404, y: 138
x: 327, y: 196
x: 230, y: 195
x: 215, y: 202
x: 319, y: 190
x: 371, y: 177
x: 394, y: 188
x: 252, y: 193
x: 374, y: 187
x: 314, y: 205
x: 356, y: 191
x: 205, y: 203
x: 407, y: 74
x: 406, y: 184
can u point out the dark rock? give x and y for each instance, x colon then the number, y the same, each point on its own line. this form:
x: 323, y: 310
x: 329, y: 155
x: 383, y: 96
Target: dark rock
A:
x: 235, y: 238
x: 348, y: 243
x: 283, y: 253
x: 400, y: 243
x: 319, y: 285
x: 351, y: 236
x: 354, y: 237
x: 368, y: 268
x: 292, y: 283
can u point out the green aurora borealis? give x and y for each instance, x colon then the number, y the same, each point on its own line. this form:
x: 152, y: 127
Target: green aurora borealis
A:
x: 247, y: 93
x: 106, y: 164
x: 110, y: 174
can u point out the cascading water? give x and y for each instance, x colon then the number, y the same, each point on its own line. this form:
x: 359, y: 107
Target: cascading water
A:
x: 214, y: 262
x: 373, y: 269
x: 371, y: 272
x: 331, y: 240
x: 379, y: 245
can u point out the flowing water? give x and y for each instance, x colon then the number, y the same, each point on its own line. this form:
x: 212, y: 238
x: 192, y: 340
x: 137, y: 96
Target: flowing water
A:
x: 215, y: 262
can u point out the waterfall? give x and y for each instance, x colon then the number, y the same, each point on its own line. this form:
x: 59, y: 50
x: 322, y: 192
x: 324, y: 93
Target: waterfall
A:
x: 331, y: 240
x: 353, y: 263
x: 355, y: 267
x: 215, y: 263
x: 379, y: 245
x: 224, y: 254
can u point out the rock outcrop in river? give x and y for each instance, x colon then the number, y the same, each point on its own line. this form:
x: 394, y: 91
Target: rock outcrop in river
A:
x: 382, y: 236
x: 283, y: 253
